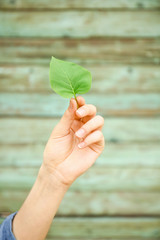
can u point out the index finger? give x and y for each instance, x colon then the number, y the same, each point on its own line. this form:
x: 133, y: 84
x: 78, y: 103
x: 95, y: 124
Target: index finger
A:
x: 81, y: 101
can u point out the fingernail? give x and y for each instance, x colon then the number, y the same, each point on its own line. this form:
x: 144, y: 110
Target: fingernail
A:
x: 81, y: 145
x: 81, y: 112
x: 80, y: 133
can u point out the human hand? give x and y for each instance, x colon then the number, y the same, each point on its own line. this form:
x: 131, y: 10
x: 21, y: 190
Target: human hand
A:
x: 75, y: 142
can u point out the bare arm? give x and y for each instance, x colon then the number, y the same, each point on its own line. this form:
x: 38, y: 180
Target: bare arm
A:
x: 67, y: 155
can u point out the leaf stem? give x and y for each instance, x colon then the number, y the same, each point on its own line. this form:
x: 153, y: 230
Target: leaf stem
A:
x: 76, y: 100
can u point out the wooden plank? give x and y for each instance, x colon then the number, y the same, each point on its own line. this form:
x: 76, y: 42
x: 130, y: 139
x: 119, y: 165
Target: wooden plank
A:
x: 52, y: 105
x: 100, y: 179
x: 105, y: 50
x: 121, y: 155
x: 48, y: 238
x: 38, y: 130
x: 85, y: 24
x: 107, y: 79
x: 92, y: 203
x: 83, y: 4
x: 107, y: 227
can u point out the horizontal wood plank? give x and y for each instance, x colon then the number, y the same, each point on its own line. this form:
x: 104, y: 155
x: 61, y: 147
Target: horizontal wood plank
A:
x: 83, y: 4
x: 108, y: 228
x: 36, y: 130
x: 92, y: 203
x: 105, y: 50
x: 122, y: 155
x: 85, y: 24
x: 100, y: 179
x: 52, y: 105
x: 107, y: 79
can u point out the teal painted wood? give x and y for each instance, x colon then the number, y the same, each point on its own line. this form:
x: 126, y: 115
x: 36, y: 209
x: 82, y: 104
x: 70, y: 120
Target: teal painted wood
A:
x: 52, y: 105
x: 106, y: 50
x: 107, y: 227
x: 120, y: 155
x: 83, y: 4
x: 85, y: 24
x: 107, y: 78
x: 92, y: 203
x: 119, y: 228
x: 99, y: 179
x: 117, y: 130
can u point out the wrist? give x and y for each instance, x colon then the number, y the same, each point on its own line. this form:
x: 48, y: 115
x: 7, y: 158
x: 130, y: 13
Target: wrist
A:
x: 52, y: 180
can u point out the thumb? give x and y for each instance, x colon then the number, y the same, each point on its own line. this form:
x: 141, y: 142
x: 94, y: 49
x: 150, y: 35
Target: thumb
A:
x: 64, y: 125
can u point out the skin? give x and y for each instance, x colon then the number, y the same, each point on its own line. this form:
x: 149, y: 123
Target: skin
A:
x: 73, y: 147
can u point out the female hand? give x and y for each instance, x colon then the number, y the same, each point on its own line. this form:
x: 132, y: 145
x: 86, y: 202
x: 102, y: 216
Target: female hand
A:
x: 75, y: 142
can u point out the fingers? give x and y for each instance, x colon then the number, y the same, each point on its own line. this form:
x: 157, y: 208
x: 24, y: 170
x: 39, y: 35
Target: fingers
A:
x: 86, y: 110
x: 64, y: 125
x: 96, y: 122
x: 95, y: 137
x: 80, y: 101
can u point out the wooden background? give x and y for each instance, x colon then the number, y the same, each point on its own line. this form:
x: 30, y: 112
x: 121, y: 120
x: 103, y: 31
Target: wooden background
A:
x: 119, y: 42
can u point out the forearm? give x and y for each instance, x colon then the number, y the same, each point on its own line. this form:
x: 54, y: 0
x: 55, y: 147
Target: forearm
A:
x: 34, y: 218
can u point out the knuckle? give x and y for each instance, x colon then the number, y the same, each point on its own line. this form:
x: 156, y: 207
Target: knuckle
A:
x: 99, y: 134
x: 85, y: 108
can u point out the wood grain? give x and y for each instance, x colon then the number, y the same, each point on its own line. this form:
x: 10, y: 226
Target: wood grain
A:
x: 108, y: 228
x: 92, y: 203
x: 104, y: 50
x: 85, y: 24
x: 122, y: 155
x: 117, y: 130
x: 52, y: 105
x: 83, y: 4
x: 99, y: 179
x: 107, y: 79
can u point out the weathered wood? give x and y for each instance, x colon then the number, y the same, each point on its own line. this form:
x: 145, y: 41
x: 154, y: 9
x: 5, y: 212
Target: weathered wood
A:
x: 106, y: 227
x: 107, y: 79
x: 120, y: 228
x: 83, y: 4
x: 114, y: 155
x: 48, y: 238
x: 37, y: 130
x: 98, y: 179
x: 105, y: 50
x: 51, y: 105
x: 92, y: 203
x: 80, y: 24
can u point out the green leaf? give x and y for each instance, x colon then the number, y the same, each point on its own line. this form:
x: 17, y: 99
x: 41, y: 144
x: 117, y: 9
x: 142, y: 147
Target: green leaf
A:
x: 67, y: 78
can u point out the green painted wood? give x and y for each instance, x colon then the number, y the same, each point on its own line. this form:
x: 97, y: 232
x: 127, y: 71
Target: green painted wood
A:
x: 111, y: 228
x: 92, y: 203
x: 120, y: 155
x: 37, y: 130
x: 51, y: 105
x: 107, y: 79
x: 48, y: 238
x: 106, y: 50
x: 85, y: 24
x: 106, y: 227
x: 100, y: 179
x: 83, y: 4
